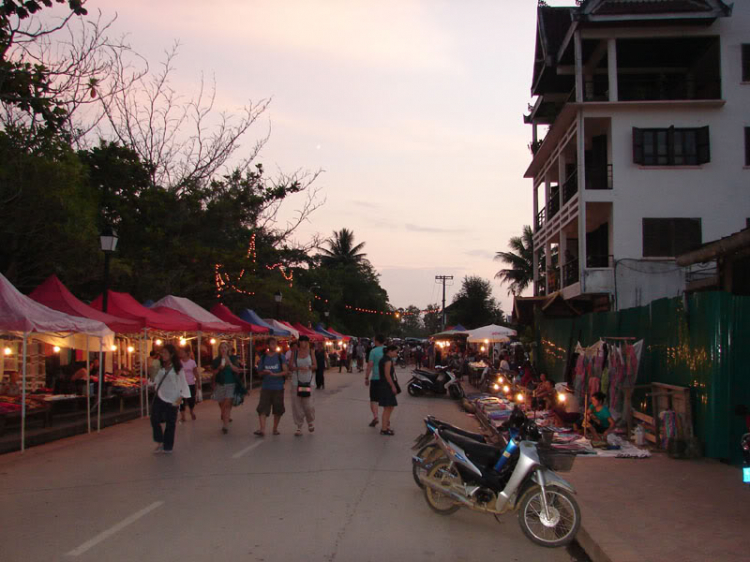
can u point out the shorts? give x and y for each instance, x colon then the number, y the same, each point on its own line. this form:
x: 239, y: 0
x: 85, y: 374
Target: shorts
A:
x: 271, y: 400
x: 223, y: 392
x: 375, y: 390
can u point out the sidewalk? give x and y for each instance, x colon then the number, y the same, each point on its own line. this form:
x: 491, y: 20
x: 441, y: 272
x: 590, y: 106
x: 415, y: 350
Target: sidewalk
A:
x: 661, y: 509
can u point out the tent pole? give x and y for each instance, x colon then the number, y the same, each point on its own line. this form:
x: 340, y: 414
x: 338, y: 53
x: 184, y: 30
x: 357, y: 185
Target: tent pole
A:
x: 251, y: 349
x: 144, y: 387
x: 23, y: 396
x: 242, y: 359
x: 99, y: 390
x: 88, y: 386
x: 198, y: 378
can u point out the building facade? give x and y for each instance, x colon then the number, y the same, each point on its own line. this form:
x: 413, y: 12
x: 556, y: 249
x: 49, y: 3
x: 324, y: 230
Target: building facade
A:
x: 646, y: 107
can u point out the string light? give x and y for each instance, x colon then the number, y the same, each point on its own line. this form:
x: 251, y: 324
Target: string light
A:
x: 182, y: 342
x: 56, y: 349
x: 113, y: 348
x: 213, y: 341
x: 131, y: 349
x: 158, y: 342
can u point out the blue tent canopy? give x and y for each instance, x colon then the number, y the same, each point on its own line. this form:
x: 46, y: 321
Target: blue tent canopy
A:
x: 149, y: 303
x: 321, y: 330
x: 249, y: 316
x: 458, y: 328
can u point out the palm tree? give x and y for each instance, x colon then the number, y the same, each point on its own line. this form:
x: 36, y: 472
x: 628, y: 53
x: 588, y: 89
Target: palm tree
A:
x: 521, y: 262
x: 341, y: 250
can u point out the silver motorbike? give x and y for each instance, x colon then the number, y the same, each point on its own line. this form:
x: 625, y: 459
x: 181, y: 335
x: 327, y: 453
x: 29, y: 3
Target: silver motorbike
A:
x: 519, y: 478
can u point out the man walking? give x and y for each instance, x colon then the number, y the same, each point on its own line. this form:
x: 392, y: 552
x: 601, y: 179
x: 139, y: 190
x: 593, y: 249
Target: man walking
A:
x: 372, y: 376
x: 273, y: 368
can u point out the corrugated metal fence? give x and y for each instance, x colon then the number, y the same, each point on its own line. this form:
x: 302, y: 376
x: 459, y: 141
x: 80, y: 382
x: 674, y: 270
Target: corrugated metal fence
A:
x: 702, y: 343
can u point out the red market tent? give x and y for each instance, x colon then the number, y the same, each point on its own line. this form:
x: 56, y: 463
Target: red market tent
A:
x: 178, y: 316
x: 223, y: 313
x: 312, y: 334
x: 55, y: 295
x: 335, y: 333
x: 125, y: 306
x: 207, y: 321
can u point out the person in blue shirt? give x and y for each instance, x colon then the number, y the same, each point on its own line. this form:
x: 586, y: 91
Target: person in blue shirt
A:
x: 372, y: 376
x: 599, y: 417
x: 272, y: 366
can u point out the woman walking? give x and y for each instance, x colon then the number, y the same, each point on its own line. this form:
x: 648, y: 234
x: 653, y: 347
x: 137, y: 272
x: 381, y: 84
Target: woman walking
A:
x: 303, y: 365
x: 320, y: 360
x: 388, y: 387
x: 224, y: 369
x: 191, y: 370
x: 171, y: 388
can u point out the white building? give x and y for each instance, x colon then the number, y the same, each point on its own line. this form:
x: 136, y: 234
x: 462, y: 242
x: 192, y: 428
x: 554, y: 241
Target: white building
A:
x: 647, y: 152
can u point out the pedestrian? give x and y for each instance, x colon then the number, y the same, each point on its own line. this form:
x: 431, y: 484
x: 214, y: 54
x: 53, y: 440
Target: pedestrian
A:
x: 303, y: 365
x: 190, y: 369
x: 293, y: 347
x: 171, y: 388
x: 320, y: 361
x: 225, y: 369
x: 418, y: 355
x: 273, y: 368
x: 154, y: 364
x: 372, y: 376
x: 360, y: 356
x: 342, y: 358
x: 388, y: 387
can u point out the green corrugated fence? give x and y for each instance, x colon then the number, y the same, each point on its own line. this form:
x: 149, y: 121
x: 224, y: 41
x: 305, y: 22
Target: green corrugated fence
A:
x: 702, y: 343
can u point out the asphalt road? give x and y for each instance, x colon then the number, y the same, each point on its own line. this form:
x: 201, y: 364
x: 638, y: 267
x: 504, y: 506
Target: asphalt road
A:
x: 344, y: 493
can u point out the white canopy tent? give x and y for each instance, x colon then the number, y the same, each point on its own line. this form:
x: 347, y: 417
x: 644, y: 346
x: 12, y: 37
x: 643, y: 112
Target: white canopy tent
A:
x: 25, y: 318
x: 491, y: 334
x: 276, y: 325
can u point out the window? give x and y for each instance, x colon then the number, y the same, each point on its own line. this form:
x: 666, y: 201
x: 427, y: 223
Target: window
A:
x: 671, y: 147
x: 746, y: 63
x: 747, y: 146
x: 667, y: 238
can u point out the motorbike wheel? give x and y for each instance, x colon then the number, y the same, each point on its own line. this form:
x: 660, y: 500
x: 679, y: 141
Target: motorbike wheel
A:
x: 456, y: 392
x: 564, y: 512
x: 413, y: 390
x: 440, y: 503
x: 428, y: 453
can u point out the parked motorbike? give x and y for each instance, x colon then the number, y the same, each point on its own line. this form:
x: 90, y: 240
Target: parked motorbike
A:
x: 428, y: 450
x: 742, y: 410
x: 442, y: 381
x: 494, y: 480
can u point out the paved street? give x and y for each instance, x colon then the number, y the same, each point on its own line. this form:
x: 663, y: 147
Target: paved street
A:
x: 344, y: 493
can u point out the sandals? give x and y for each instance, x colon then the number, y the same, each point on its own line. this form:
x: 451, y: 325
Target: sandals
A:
x: 310, y: 427
x: 298, y: 433
x: 386, y: 432
x: 374, y: 422
x: 259, y: 433
x: 224, y: 430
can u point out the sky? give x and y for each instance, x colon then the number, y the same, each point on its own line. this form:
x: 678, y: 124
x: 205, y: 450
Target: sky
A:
x: 412, y: 108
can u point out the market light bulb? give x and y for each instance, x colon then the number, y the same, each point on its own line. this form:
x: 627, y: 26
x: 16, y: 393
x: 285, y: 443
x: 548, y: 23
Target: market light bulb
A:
x: 561, y: 397
x: 278, y: 350
x: 506, y: 389
x: 113, y: 348
x: 182, y: 342
x: 213, y: 341
x: 344, y: 346
x: 486, y: 341
x: 481, y: 349
x: 496, y: 387
x: 519, y: 397
x: 158, y: 342
x: 500, y: 380
x: 131, y: 349
x: 56, y: 349
x: 7, y: 351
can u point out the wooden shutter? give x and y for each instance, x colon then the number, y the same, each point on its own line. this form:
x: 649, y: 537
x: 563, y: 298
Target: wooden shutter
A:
x: 687, y: 235
x: 704, y: 147
x: 637, y: 146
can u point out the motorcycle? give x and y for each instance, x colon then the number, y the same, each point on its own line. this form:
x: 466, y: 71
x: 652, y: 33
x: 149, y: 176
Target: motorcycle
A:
x: 742, y: 410
x: 428, y: 450
x: 440, y: 382
x: 518, y: 478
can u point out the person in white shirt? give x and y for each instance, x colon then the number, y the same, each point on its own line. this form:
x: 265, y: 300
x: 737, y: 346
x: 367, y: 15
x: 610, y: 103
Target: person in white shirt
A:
x: 171, y: 388
x: 190, y: 369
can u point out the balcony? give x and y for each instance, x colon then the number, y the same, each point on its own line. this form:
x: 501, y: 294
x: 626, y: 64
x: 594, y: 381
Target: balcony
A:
x: 570, y: 186
x: 541, y: 220
x: 570, y: 273
x: 554, y: 280
x: 553, y: 205
x: 599, y: 177
x: 667, y: 87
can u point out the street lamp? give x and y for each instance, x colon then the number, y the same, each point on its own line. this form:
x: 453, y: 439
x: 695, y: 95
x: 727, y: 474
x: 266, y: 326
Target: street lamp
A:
x: 277, y: 297
x: 108, y: 240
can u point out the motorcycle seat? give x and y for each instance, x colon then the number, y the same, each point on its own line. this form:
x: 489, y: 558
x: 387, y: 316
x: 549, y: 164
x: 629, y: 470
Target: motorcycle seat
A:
x: 480, y: 453
x: 463, y: 433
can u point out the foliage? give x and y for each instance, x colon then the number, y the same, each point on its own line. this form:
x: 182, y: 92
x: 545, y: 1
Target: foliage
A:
x: 433, y: 319
x: 520, y: 274
x: 341, y: 250
x: 411, y: 323
x: 473, y: 306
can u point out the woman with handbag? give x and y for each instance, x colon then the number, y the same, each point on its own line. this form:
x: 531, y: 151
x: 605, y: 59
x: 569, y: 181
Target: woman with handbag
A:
x: 224, y: 369
x: 389, y: 387
x: 303, y: 366
x: 171, y: 389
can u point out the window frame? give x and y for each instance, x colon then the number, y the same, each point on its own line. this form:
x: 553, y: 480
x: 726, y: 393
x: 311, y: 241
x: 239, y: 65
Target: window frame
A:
x: 663, y: 143
x: 675, y: 226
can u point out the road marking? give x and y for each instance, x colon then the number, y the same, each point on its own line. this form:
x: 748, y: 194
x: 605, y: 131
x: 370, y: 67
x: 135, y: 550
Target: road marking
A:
x: 247, y: 449
x: 112, y: 530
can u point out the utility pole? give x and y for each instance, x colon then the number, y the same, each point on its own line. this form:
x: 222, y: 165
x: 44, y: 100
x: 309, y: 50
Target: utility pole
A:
x: 442, y: 279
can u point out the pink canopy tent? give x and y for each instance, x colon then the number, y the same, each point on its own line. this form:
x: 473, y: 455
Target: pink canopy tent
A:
x: 223, y: 313
x: 208, y: 322
x: 54, y: 294
x: 313, y: 335
x: 125, y: 306
x: 335, y: 333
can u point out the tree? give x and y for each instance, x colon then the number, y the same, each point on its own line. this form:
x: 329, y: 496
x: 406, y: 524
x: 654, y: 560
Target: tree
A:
x: 473, y: 306
x: 411, y: 322
x: 520, y: 274
x: 342, y: 251
x: 433, y: 319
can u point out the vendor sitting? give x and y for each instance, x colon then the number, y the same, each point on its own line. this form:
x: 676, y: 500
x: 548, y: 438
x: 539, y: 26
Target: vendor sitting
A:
x: 599, y: 417
x: 11, y: 388
x: 543, y: 393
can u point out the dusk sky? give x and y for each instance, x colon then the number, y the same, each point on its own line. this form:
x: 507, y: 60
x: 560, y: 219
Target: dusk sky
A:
x: 412, y: 108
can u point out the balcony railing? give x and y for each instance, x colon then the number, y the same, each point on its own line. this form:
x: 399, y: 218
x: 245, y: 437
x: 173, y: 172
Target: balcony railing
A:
x: 599, y: 177
x: 570, y: 187
x: 570, y: 273
x: 667, y: 87
x: 541, y: 219
x: 554, y: 280
x: 553, y: 205
x: 600, y: 261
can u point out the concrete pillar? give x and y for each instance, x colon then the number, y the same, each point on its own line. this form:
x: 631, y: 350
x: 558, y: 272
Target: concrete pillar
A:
x: 536, y: 205
x: 612, y: 69
x: 561, y: 162
x: 547, y: 265
x: 578, y: 45
x: 561, y: 259
x: 581, y: 155
x: 535, y: 262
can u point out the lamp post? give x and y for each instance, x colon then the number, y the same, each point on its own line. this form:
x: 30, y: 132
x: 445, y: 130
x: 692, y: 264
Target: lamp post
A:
x: 108, y: 240
x: 277, y: 297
